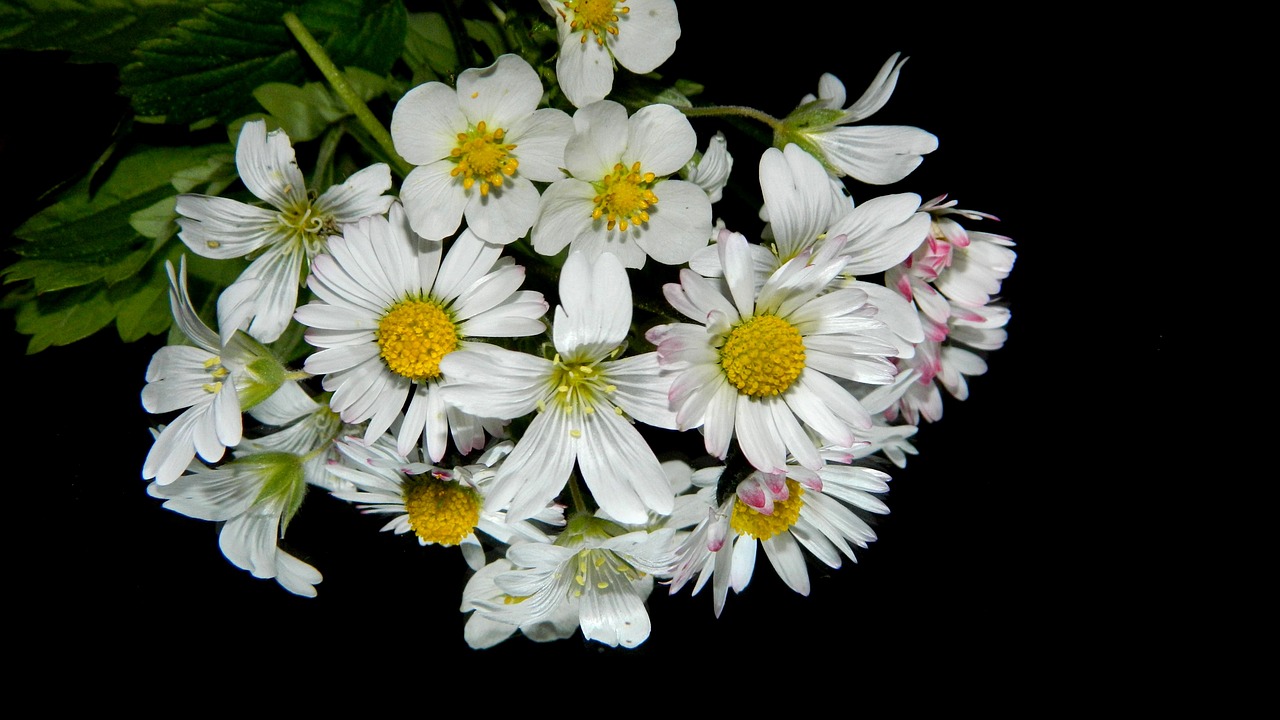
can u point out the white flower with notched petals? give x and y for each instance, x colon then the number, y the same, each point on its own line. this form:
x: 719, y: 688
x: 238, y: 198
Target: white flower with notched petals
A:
x: 254, y: 497
x: 281, y: 239
x: 388, y: 308
x: 639, y: 35
x: 478, y: 149
x: 873, y: 154
x: 211, y: 382
x: 620, y: 198
x: 762, y: 366
x: 585, y: 398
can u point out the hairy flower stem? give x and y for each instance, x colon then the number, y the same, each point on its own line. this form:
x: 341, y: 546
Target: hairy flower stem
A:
x: 732, y: 111
x: 346, y: 93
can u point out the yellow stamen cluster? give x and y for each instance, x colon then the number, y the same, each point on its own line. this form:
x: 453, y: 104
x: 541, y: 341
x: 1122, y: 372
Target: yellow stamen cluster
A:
x: 308, y: 224
x: 579, y: 387
x: 624, y: 196
x: 595, y: 17
x: 598, y: 569
x: 746, y: 520
x: 217, y: 373
x: 482, y: 157
x: 414, y: 336
x: 441, y: 511
x: 763, y: 355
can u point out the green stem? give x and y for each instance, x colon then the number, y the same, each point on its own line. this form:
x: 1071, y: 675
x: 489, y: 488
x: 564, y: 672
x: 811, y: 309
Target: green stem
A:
x: 346, y: 93
x: 733, y: 111
x: 579, y: 503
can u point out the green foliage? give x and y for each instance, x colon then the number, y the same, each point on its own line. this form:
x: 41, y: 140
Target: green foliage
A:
x: 207, y: 67
x: 305, y: 111
x: 105, y: 31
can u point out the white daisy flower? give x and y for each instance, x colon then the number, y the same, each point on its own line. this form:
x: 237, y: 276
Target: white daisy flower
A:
x: 254, y: 497
x: 212, y: 383
x: 639, y: 35
x: 762, y: 366
x: 283, y: 238
x: 873, y: 154
x: 785, y: 513
x: 388, y: 308
x: 596, y: 570
x: 586, y: 399
x: 477, y: 149
x: 439, y: 506
x: 619, y: 197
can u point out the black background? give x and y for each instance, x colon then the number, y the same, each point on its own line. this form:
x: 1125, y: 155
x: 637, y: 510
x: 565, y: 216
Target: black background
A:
x: 997, y: 560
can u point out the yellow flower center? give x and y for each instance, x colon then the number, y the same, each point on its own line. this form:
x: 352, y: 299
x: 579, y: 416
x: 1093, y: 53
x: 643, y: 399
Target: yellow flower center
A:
x: 595, y: 17
x: 746, y: 520
x: 441, y: 511
x: 624, y: 196
x: 763, y: 355
x: 307, y: 224
x: 578, y: 388
x: 414, y: 336
x: 482, y: 157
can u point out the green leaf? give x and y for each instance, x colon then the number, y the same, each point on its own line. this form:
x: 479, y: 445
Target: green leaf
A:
x: 64, y: 318
x: 428, y: 48
x: 208, y: 66
x: 488, y: 33
x: 90, y: 30
x: 106, y: 234
x: 305, y: 111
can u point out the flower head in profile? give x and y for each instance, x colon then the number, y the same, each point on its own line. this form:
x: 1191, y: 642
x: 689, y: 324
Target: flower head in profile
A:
x: 478, y: 151
x: 586, y: 400
x: 209, y: 381
x: 710, y: 168
x: 597, y: 573
x: 283, y: 238
x: 873, y: 154
x: 620, y: 197
x: 762, y: 367
x: 389, y: 308
x: 439, y: 506
x: 254, y: 497
x: 786, y: 514
x: 597, y: 35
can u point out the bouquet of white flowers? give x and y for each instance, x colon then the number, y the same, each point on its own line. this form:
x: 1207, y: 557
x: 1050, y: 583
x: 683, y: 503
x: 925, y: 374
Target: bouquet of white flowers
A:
x: 462, y: 265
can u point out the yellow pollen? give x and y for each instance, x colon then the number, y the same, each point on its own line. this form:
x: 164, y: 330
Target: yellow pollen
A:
x: 414, y: 336
x: 624, y: 196
x: 441, y: 511
x: 746, y: 520
x: 762, y: 356
x: 595, y: 17
x: 483, y: 158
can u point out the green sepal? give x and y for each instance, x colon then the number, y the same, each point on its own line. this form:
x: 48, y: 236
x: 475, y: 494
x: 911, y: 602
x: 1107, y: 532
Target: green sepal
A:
x: 284, y: 482
x: 263, y: 373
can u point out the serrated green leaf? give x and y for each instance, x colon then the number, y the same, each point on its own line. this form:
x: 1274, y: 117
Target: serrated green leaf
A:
x: 90, y: 30
x: 209, y: 65
x: 84, y: 237
x: 145, y: 309
x: 428, y: 48
x: 63, y: 318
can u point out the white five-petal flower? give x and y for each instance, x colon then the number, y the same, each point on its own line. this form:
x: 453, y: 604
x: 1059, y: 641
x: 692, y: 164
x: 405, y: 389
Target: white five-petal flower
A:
x: 283, y: 238
x: 477, y: 149
x: 620, y: 198
x: 639, y: 35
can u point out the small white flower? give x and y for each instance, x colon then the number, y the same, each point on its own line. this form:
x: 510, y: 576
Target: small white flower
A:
x: 638, y: 34
x: 477, y: 149
x: 619, y: 197
x: 254, y: 497
x: 486, y: 629
x: 212, y: 383
x: 873, y: 154
x: 784, y: 513
x: 582, y: 397
x: 710, y: 169
x: 281, y: 239
x: 439, y: 506
x: 388, y: 308
x: 596, y: 571
x: 761, y: 366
